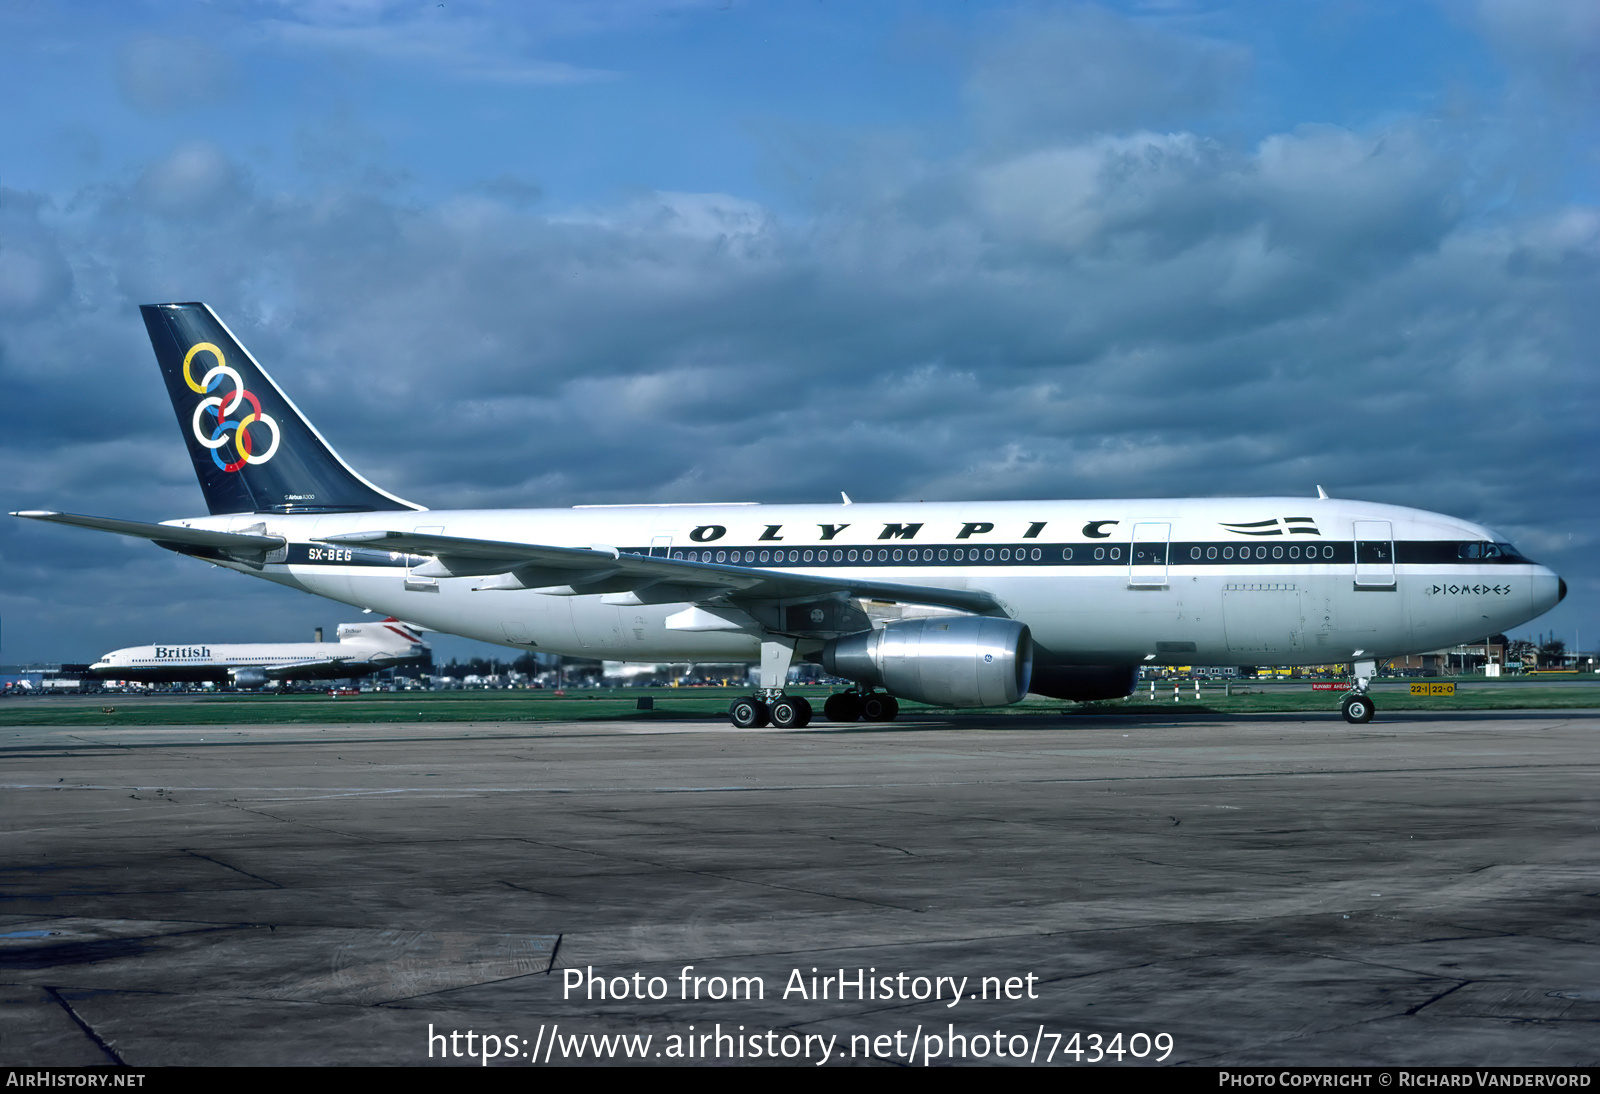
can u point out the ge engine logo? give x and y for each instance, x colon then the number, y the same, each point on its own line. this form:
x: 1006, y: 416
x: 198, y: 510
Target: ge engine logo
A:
x: 227, y: 431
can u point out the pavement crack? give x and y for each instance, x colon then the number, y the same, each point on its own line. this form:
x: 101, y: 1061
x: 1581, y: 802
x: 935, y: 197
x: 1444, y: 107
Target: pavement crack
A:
x: 535, y: 892
x: 235, y: 869
x: 873, y: 843
x: 99, y: 1041
x: 1436, y: 998
x: 300, y: 823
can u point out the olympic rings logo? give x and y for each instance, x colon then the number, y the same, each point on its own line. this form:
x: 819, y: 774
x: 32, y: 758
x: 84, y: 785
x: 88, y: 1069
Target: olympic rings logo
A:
x: 221, y: 406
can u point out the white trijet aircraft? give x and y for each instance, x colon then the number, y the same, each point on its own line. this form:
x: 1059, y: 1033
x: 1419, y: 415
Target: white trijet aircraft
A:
x: 990, y: 600
x: 362, y: 649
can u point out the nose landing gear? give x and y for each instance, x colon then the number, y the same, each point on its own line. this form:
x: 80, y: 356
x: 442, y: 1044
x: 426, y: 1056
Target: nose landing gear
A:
x: 1358, y: 707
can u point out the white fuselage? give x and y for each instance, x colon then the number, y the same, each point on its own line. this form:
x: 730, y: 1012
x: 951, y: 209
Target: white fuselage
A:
x: 1161, y: 581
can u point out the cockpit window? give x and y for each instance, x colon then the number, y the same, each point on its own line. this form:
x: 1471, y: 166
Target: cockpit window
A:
x: 1484, y: 551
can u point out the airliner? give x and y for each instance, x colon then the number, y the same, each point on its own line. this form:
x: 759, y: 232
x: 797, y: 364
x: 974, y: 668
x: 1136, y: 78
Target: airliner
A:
x: 959, y: 604
x: 362, y: 649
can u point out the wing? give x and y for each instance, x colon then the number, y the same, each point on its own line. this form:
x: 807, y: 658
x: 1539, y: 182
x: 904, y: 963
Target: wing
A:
x: 645, y: 579
x: 295, y: 670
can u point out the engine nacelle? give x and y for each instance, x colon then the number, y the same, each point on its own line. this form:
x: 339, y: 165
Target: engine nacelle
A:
x: 959, y: 661
x: 249, y: 678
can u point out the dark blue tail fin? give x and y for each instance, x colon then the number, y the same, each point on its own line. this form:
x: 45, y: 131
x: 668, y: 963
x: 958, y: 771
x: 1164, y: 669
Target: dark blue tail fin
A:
x: 252, y: 449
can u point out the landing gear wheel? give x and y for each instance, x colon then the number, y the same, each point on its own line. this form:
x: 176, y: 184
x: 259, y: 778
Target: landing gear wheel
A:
x: 879, y: 707
x: 748, y: 713
x: 791, y: 712
x: 843, y: 707
x: 1358, y: 709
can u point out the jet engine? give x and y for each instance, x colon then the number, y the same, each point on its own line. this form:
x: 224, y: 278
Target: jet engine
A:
x: 960, y: 661
x: 249, y: 678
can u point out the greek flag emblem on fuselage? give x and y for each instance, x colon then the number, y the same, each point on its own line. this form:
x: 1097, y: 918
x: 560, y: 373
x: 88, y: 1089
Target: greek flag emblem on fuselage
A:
x: 1278, y: 526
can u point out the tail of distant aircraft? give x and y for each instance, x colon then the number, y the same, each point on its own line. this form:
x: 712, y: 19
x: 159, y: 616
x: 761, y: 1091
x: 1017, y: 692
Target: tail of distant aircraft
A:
x: 389, y: 634
x: 253, y: 450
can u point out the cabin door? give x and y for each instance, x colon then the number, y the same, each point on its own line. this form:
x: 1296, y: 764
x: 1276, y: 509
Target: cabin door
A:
x: 1147, y: 556
x: 1374, y: 554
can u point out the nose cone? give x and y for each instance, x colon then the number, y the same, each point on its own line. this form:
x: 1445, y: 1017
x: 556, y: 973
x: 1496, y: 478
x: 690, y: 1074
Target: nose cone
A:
x: 1548, y: 590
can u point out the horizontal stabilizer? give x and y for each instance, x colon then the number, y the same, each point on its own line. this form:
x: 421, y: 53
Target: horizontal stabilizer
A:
x: 164, y: 533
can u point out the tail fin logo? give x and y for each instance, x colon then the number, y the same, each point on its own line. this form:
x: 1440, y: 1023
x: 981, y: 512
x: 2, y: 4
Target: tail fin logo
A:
x: 227, y: 433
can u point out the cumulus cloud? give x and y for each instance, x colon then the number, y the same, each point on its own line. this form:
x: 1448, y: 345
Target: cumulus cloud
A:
x: 1096, y: 298
x: 1101, y: 304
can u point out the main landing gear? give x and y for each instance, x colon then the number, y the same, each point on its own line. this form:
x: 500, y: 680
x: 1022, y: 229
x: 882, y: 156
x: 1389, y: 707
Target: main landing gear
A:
x: 1358, y: 707
x: 794, y: 711
x: 770, y: 706
x: 853, y: 706
x: 781, y: 711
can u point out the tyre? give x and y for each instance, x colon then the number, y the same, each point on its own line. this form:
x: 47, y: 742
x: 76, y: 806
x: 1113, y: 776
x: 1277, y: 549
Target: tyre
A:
x: 791, y: 712
x: 749, y: 713
x: 1358, y: 709
x: 879, y: 707
x: 843, y: 707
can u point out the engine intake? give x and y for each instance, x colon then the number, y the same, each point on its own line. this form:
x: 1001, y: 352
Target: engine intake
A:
x: 962, y: 661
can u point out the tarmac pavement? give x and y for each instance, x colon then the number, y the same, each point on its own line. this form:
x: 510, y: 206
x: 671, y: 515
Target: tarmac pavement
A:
x: 1249, y: 890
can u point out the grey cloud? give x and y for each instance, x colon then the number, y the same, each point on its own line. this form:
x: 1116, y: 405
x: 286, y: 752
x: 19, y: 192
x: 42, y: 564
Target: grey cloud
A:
x: 194, y: 180
x: 34, y: 275
x: 1125, y: 314
x: 456, y: 42
x: 1555, y: 43
x: 161, y: 75
x: 1057, y: 76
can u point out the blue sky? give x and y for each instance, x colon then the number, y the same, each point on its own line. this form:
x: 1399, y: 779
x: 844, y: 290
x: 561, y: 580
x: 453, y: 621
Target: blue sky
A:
x: 513, y: 254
